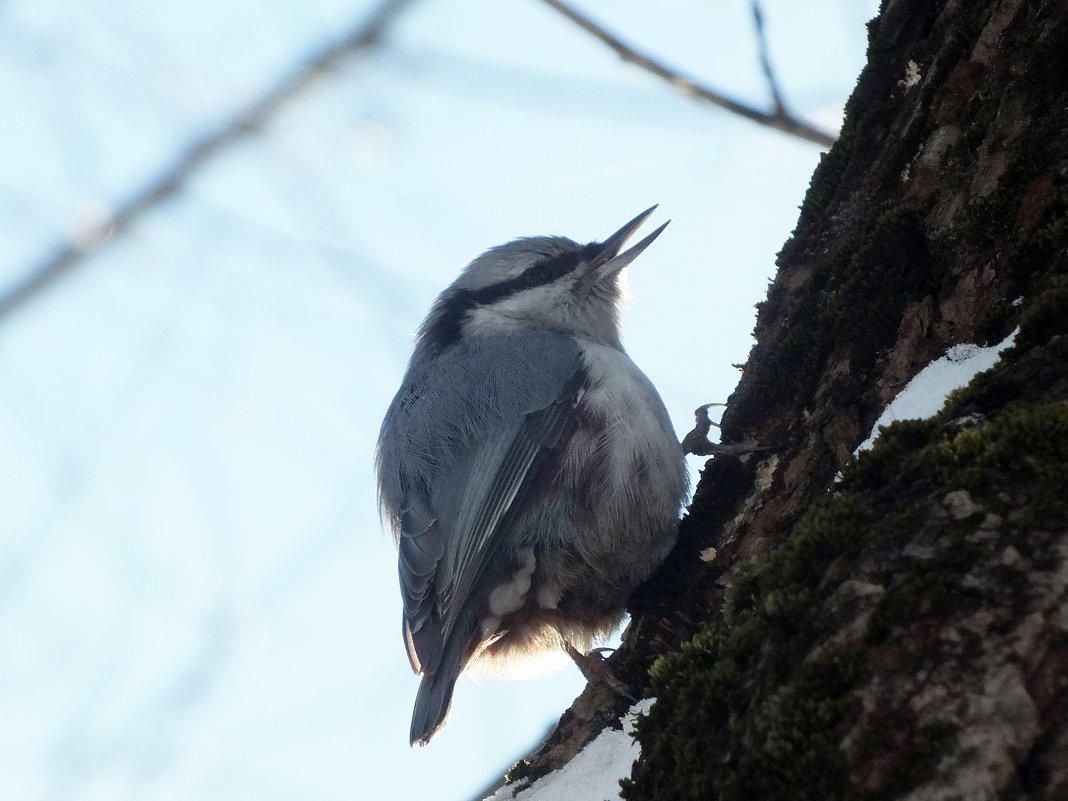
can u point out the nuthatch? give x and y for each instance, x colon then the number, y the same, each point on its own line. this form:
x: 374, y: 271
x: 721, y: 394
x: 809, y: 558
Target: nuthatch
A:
x: 527, y: 467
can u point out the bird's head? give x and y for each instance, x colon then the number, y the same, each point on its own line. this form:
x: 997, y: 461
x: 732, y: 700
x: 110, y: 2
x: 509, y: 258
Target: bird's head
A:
x: 544, y: 281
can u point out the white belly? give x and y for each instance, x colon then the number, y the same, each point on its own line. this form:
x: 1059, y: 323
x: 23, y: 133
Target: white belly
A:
x: 642, y: 476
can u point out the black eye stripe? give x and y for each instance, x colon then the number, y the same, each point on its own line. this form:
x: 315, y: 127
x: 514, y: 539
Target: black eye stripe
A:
x: 541, y: 272
x: 547, y: 271
x: 552, y: 267
x: 447, y: 317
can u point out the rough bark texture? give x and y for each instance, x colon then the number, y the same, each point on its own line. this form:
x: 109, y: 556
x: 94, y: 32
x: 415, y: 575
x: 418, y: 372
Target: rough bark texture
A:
x: 902, y: 633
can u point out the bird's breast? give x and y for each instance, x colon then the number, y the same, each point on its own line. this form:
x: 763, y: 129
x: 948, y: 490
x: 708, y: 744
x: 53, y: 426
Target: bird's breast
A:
x: 601, y: 518
x: 624, y: 453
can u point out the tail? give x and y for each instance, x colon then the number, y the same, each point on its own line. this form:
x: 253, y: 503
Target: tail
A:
x: 434, y: 698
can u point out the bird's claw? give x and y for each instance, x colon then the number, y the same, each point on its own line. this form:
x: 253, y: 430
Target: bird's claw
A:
x: 596, y: 671
x: 698, y: 443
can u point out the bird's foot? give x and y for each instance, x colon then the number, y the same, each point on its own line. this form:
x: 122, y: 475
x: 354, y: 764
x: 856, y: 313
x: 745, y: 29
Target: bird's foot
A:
x: 698, y: 443
x: 595, y: 669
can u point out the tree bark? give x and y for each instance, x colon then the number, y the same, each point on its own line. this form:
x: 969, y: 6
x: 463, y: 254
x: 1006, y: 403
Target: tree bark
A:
x: 901, y: 630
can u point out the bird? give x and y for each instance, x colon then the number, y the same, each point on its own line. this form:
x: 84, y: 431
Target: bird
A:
x: 527, y: 468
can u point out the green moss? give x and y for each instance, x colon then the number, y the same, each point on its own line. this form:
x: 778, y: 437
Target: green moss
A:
x: 789, y: 749
x: 780, y: 586
x: 1021, y: 228
x: 827, y: 176
x: 1047, y: 315
x: 895, y: 453
x: 1027, y: 447
x: 1028, y: 257
x: 792, y: 752
x: 520, y: 770
x: 833, y: 313
x: 1001, y: 318
x: 1026, y: 237
x: 747, y: 710
x: 931, y: 589
x: 890, y: 261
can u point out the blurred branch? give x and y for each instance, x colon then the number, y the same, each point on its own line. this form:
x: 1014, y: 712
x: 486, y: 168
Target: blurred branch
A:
x: 765, y: 60
x: 365, y: 36
x: 779, y: 119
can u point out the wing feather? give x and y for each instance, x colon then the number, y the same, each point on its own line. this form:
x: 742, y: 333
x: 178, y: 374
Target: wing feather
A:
x: 493, y: 489
x: 449, y: 483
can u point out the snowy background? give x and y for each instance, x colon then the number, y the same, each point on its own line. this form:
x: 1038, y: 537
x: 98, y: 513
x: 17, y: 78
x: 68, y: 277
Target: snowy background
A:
x: 196, y: 599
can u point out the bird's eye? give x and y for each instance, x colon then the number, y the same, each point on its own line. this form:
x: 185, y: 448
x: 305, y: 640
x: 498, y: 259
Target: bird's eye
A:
x: 539, y: 274
x: 549, y: 269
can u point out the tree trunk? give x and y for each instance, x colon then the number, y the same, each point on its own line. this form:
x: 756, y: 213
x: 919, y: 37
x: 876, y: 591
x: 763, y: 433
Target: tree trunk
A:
x: 901, y: 632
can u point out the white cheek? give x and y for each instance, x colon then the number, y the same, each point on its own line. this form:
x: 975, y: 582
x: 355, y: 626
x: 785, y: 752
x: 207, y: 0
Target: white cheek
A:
x: 548, y: 304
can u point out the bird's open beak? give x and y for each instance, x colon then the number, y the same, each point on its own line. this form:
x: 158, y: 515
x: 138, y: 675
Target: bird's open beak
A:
x: 609, y: 260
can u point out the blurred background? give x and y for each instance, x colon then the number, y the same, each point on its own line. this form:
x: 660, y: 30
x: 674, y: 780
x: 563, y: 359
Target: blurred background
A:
x: 220, y: 225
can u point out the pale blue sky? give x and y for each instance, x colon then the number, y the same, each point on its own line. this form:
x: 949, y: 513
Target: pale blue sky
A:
x: 196, y: 599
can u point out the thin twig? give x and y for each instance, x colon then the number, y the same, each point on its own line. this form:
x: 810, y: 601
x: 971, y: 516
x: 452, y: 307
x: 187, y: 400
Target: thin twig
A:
x: 364, y: 36
x: 765, y: 61
x: 780, y: 121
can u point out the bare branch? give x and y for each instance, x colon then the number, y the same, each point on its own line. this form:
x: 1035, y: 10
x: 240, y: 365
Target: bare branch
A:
x: 765, y: 60
x: 780, y: 120
x: 365, y: 36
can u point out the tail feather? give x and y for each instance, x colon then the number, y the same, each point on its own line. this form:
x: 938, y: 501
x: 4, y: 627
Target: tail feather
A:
x: 432, y: 705
x: 434, y: 697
